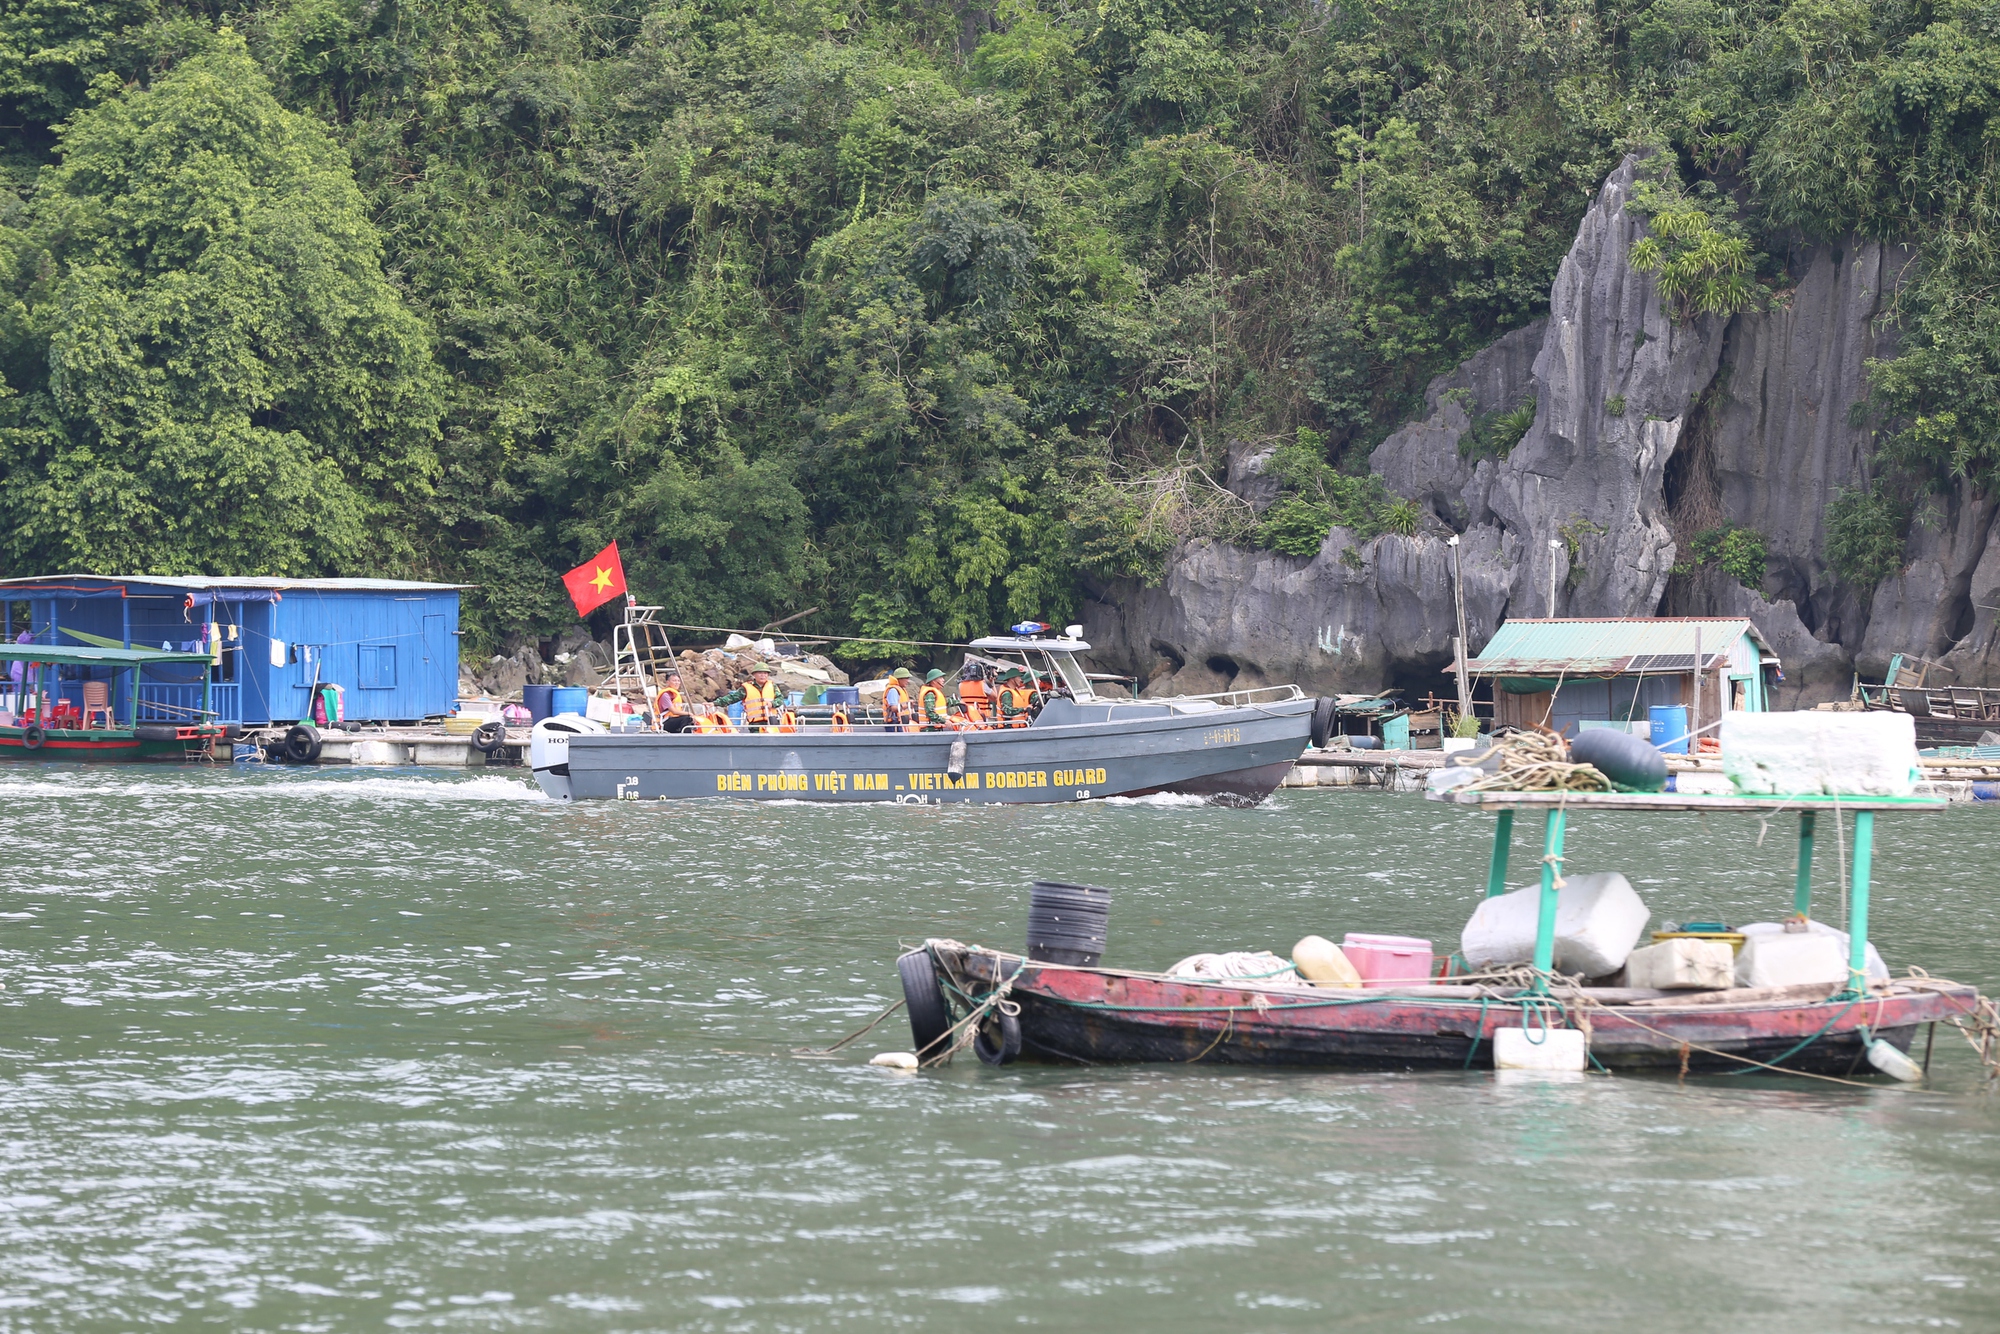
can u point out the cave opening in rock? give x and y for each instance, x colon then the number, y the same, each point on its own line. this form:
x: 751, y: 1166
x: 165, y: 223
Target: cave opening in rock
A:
x: 1223, y: 666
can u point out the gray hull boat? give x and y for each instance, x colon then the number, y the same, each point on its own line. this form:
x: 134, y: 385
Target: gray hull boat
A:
x: 1233, y: 748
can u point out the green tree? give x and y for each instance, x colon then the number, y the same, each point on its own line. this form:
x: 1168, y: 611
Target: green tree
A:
x: 209, y: 371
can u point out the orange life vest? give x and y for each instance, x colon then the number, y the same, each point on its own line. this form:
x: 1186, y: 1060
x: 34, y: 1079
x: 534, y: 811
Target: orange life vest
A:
x: 977, y: 702
x: 670, y: 700
x: 760, y: 702
x: 711, y: 722
x: 933, y: 707
x: 1015, y: 701
x: 840, y: 722
x: 895, y: 703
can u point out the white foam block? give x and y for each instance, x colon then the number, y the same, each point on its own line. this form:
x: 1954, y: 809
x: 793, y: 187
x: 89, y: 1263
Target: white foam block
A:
x: 1539, y: 1049
x: 1789, y: 959
x: 1598, y: 919
x: 1684, y: 963
x: 1792, y: 754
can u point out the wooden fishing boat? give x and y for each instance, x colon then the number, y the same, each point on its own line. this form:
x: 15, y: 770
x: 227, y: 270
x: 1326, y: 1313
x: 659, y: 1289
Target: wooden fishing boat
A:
x: 1006, y: 1005
x: 92, y: 704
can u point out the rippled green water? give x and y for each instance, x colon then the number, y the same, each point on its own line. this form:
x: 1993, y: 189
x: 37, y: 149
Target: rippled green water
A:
x: 332, y: 1050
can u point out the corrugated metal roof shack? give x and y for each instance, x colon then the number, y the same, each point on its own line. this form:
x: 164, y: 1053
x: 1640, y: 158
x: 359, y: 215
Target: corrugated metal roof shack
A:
x: 1569, y: 672
x: 392, y: 646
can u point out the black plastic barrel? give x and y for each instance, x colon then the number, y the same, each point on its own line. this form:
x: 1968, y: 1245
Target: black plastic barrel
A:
x: 1066, y: 923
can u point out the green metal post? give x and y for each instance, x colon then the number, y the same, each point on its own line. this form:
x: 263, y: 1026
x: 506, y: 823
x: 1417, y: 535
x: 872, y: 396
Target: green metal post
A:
x: 1857, y: 915
x: 1503, y: 839
x: 1802, y: 895
x: 1545, y: 926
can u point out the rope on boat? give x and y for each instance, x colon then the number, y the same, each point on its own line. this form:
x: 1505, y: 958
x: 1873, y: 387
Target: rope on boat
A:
x: 962, y: 1032
x: 1537, y: 762
x: 815, y: 1053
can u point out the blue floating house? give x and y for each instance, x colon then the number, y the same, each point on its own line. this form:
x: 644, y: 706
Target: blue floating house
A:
x: 390, y: 645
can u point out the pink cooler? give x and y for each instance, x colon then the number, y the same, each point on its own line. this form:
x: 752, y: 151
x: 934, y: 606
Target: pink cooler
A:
x: 1385, y: 961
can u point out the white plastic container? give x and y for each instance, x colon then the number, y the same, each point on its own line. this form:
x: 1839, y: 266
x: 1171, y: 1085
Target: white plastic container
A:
x: 1790, y: 959
x: 1598, y: 920
x: 1789, y: 754
x: 1682, y: 964
x: 1539, y: 1049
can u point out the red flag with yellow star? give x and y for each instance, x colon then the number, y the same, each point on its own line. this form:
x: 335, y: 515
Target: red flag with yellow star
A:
x: 596, y: 581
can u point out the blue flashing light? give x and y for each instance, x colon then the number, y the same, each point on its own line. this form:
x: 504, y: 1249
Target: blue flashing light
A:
x: 1029, y: 629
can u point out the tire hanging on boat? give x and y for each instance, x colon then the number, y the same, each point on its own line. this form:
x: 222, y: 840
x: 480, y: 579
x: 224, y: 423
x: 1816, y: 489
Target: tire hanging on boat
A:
x: 32, y: 736
x: 1324, y: 710
x: 997, y: 1041
x: 489, y: 737
x: 302, y: 744
x: 930, y: 1021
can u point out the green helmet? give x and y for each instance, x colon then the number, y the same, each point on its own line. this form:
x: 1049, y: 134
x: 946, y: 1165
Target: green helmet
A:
x: 933, y: 675
x: 765, y: 668
x: 901, y: 674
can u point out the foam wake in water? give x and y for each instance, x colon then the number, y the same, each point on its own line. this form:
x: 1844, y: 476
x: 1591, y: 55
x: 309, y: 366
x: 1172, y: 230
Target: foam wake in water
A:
x: 1158, y: 799
x: 97, y: 786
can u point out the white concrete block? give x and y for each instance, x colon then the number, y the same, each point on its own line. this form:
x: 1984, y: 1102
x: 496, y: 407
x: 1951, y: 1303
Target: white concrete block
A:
x: 1789, y: 959
x: 1598, y: 920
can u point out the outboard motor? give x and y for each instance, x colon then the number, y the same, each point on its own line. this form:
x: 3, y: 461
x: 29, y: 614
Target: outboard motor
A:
x: 548, y: 750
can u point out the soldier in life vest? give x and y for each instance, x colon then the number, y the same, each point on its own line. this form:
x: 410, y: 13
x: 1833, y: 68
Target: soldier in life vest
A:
x: 760, y: 697
x: 898, y: 705
x: 974, y: 697
x: 1017, y: 702
x: 933, y: 705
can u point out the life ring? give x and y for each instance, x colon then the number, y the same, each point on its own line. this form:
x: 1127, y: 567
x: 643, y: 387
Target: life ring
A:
x: 840, y: 722
x: 489, y: 736
x: 302, y: 744
x: 997, y: 1040
x: 788, y: 721
x: 32, y: 736
x: 930, y: 1022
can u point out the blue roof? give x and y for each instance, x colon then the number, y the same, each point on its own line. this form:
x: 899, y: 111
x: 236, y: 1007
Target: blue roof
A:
x: 66, y: 583
x: 1618, y: 646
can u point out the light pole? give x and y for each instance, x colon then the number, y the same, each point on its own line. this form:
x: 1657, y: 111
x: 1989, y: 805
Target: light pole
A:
x: 1458, y: 643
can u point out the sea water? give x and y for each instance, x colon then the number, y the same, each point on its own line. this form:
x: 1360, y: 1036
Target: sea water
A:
x: 326, y: 1049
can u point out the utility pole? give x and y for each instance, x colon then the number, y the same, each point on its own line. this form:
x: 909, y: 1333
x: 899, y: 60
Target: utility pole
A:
x: 1555, y: 548
x: 1458, y: 648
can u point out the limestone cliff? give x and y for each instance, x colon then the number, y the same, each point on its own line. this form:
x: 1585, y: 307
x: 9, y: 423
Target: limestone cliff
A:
x: 1646, y: 430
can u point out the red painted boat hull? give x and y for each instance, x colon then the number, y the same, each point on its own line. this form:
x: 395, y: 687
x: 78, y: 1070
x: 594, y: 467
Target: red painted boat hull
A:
x: 1098, y: 1016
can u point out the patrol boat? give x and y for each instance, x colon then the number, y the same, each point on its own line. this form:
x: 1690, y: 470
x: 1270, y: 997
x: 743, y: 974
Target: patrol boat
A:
x: 1233, y: 747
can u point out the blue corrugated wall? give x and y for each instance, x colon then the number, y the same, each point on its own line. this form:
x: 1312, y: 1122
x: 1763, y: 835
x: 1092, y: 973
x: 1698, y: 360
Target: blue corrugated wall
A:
x: 393, y: 653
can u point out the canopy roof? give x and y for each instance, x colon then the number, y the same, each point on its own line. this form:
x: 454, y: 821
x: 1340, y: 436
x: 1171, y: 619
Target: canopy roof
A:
x: 96, y: 583
x: 94, y: 657
x: 1622, y: 646
x: 1015, y: 643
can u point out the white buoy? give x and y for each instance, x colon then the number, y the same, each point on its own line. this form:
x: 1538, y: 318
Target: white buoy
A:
x: 1322, y: 963
x: 894, y: 1060
x: 1884, y: 1057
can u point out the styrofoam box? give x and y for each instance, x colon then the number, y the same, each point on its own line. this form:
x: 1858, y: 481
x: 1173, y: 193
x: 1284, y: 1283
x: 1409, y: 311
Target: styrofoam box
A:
x: 1792, y: 754
x: 1539, y: 1049
x: 1598, y: 920
x: 1683, y: 963
x: 1789, y: 959
x: 1873, y: 966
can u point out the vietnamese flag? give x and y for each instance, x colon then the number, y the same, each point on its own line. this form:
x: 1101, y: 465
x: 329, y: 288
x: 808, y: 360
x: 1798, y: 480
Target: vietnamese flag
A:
x: 596, y: 581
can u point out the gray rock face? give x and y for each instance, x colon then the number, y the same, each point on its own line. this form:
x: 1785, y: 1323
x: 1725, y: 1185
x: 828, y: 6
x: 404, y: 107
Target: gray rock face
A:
x: 1647, y: 430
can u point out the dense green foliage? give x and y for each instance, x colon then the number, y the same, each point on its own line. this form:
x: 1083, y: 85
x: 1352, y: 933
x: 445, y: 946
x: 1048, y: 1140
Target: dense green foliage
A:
x: 1737, y: 551
x: 1864, y: 536
x: 919, y: 314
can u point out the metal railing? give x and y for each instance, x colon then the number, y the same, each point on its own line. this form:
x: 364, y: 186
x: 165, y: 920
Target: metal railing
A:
x: 173, y: 702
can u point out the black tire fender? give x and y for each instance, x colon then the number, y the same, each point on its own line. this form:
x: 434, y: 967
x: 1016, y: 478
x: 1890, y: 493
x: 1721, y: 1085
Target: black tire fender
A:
x: 1322, y: 721
x: 998, y: 1039
x: 302, y: 744
x: 32, y: 736
x: 930, y: 1021
x: 489, y: 737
